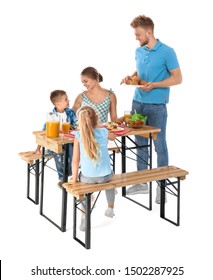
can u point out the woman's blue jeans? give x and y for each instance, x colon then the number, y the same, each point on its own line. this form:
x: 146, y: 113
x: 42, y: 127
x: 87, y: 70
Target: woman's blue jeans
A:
x: 157, y: 117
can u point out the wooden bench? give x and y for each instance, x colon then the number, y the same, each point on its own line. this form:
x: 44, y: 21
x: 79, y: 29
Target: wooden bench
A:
x: 33, y: 167
x: 33, y: 161
x: 82, y: 192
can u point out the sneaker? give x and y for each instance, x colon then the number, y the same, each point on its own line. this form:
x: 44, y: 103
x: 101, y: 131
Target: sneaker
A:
x: 60, y: 183
x: 82, y: 226
x: 48, y: 153
x: 157, y: 199
x: 138, y: 188
x: 109, y: 213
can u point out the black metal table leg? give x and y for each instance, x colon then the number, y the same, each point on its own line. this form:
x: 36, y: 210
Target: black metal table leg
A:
x: 113, y: 161
x: 150, y: 167
x: 123, y: 166
x: 123, y: 160
x: 42, y: 182
x: 162, y: 198
x: 62, y: 227
x: 64, y: 192
x: 88, y: 221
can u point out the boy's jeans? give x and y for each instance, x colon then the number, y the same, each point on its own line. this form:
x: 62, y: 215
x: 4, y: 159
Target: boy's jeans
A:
x: 157, y: 117
x: 59, y: 162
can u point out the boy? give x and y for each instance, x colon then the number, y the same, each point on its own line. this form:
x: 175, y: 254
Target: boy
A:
x: 61, y: 104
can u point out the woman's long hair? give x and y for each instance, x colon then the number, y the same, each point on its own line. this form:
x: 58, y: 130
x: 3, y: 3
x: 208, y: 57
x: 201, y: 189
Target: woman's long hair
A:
x: 88, y: 120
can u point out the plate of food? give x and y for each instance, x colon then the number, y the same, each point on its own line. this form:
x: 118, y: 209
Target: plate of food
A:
x: 112, y: 126
x: 135, y: 81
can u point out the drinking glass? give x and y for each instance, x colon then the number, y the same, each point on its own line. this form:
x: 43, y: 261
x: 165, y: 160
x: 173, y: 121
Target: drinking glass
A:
x: 127, y: 116
x: 65, y: 125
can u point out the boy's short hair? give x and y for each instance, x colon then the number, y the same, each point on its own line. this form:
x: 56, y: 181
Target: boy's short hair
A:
x: 56, y: 94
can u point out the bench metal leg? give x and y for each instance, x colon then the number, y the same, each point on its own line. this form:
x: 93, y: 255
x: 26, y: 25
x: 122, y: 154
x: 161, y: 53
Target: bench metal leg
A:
x: 178, y: 203
x: 34, y: 167
x: 37, y: 182
x: 163, y: 187
x: 28, y: 180
x: 75, y: 208
x: 64, y: 210
x: 74, y: 217
x: 88, y: 210
x: 88, y: 221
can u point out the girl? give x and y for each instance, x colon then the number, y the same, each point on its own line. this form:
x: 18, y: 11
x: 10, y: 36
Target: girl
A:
x: 91, y: 153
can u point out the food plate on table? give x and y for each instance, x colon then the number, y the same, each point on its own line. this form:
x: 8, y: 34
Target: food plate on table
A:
x: 118, y: 129
x: 112, y: 126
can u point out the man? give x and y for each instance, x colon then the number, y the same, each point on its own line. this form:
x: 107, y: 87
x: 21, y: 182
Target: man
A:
x: 157, y: 64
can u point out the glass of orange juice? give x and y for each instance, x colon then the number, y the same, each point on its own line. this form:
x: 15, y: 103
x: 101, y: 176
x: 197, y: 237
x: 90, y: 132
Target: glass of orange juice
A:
x: 65, y: 125
x: 127, y: 115
x: 52, y: 125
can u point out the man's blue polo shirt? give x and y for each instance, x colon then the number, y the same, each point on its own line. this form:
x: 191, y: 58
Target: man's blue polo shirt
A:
x: 153, y: 65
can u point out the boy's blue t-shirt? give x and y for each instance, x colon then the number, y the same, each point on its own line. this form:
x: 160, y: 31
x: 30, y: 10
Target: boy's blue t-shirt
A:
x: 102, y: 167
x: 153, y: 65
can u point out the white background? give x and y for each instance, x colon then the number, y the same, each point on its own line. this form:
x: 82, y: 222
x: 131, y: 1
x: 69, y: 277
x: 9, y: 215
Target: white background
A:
x: 44, y: 46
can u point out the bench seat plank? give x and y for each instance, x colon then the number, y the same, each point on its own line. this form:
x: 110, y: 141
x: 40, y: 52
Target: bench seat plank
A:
x: 30, y: 156
x: 119, y: 180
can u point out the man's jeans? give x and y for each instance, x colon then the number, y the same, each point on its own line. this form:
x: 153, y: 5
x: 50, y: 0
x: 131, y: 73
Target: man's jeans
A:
x: 157, y: 117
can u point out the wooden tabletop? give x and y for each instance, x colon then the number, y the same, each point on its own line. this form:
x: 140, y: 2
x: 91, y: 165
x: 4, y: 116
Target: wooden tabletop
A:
x: 144, y: 131
x: 55, y: 144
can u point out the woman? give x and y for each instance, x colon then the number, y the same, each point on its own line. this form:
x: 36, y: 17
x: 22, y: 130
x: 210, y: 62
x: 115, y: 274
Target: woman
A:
x: 102, y: 100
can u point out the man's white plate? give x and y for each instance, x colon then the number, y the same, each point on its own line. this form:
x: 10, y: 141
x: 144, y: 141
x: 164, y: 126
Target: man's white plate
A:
x: 136, y: 86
